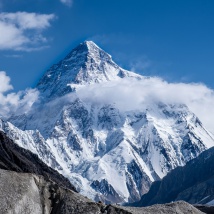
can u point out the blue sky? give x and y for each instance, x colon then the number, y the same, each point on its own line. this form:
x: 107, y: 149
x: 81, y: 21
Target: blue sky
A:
x: 173, y: 39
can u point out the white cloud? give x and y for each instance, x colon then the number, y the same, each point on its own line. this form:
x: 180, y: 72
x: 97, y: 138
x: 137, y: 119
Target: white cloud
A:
x: 139, y: 95
x: 13, y: 102
x: 22, y: 30
x: 24, y: 20
x: 126, y: 94
x: 5, y: 82
x: 67, y: 2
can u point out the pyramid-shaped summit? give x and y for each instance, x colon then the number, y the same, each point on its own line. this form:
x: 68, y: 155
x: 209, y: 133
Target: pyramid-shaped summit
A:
x: 85, y: 64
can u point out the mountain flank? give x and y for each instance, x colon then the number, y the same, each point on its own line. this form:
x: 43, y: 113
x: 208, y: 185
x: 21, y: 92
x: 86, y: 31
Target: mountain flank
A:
x: 15, y: 158
x: 193, y: 183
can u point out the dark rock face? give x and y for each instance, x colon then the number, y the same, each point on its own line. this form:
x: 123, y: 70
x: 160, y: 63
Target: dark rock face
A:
x: 15, y: 158
x: 205, y: 209
x: 109, y: 117
x: 193, y: 183
x: 136, y: 176
x: 107, y: 190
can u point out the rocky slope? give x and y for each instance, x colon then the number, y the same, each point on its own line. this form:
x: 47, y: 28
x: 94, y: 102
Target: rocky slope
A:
x: 110, y: 154
x: 23, y: 193
x: 15, y: 158
x: 193, y: 183
x: 170, y: 208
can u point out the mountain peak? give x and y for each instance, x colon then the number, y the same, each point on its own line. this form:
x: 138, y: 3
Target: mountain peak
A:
x: 95, y: 49
x: 85, y: 64
x: 85, y: 47
x: 87, y: 50
x: 90, y: 44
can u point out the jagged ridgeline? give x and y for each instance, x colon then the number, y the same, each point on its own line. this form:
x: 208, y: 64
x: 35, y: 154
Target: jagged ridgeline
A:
x: 108, y: 153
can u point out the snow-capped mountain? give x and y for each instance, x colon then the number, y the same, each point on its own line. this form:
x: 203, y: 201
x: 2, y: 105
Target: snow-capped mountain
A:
x: 108, y: 153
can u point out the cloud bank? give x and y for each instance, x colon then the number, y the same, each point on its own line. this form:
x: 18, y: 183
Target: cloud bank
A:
x: 23, y: 31
x: 126, y: 94
x: 14, y: 102
x: 130, y: 94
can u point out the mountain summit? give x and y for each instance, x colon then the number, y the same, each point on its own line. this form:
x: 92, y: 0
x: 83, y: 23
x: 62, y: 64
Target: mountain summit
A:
x: 85, y: 64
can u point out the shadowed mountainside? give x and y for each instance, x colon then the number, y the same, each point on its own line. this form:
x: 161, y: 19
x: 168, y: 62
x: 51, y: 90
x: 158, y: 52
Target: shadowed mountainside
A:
x: 193, y: 183
x: 15, y: 158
